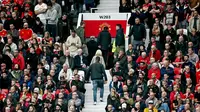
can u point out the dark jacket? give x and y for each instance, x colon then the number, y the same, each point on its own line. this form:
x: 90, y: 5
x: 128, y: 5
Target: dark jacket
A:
x: 92, y: 46
x: 30, y: 21
x: 17, y: 23
x: 124, y: 8
x: 122, y: 60
x: 77, y: 61
x: 188, y: 63
x: 194, y: 40
x: 5, y: 24
x: 117, y: 85
x: 70, y: 59
x: 1, y: 46
x: 169, y: 71
x: 5, y: 83
x: 32, y: 59
x: 6, y: 59
x: 81, y: 33
x: 15, y: 35
x: 79, y: 1
x: 63, y: 29
x: 138, y: 31
x: 104, y: 40
x: 158, y: 46
x: 182, y: 46
x: 115, y: 103
x: 38, y: 28
x: 143, y: 86
x: 79, y: 84
x: 171, y: 33
x: 97, y: 71
x: 119, y: 39
x: 132, y: 53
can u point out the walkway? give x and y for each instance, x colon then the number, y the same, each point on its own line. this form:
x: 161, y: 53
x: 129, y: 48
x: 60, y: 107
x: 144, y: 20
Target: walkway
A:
x: 100, y: 107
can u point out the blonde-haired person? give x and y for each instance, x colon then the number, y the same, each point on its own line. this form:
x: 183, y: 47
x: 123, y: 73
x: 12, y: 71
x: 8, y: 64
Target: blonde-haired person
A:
x: 99, y: 54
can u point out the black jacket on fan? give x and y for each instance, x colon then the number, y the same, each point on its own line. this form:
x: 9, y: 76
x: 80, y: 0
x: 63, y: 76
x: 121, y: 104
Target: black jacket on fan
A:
x: 97, y: 72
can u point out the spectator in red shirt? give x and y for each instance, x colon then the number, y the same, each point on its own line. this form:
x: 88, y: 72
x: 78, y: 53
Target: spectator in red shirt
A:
x: 27, y: 9
x: 143, y: 58
x: 3, y: 33
x: 25, y: 33
x: 198, y: 71
x: 48, y: 96
x: 25, y: 94
x: 174, y: 93
x: 18, y: 59
x: 154, y: 69
x: 188, y: 73
x: 188, y: 94
x: 19, y: 2
x: 155, y: 53
x: 179, y: 59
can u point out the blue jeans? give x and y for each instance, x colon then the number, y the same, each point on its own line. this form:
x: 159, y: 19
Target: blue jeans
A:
x: 97, y: 84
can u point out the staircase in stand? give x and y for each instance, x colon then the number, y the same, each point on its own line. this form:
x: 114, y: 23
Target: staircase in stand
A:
x: 108, y: 6
x: 100, y: 107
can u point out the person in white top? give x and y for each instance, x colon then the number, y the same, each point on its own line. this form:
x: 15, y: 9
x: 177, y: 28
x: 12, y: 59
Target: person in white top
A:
x: 99, y: 54
x: 40, y: 10
x: 66, y: 72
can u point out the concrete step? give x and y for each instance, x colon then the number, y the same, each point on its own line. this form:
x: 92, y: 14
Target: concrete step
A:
x: 108, y: 6
x: 100, y: 107
x: 105, y: 2
x: 108, y: 11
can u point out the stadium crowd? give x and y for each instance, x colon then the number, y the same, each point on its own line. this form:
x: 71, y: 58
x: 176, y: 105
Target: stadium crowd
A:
x: 45, y: 61
x: 162, y: 76
x: 38, y: 72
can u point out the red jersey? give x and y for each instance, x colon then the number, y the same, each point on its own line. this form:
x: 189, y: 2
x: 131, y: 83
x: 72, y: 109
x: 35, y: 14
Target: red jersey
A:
x: 198, y: 65
x: 187, y: 75
x: 38, y: 51
x: 25, y: 34
x: 20, y: 2
x: 141, y: 59
x: 177, y: 71
x: 160, y: 5
x: 197, y: 86
x: 58, y: 91
x: 198, y: 72
x: 45, y: 95
x: 3, y: 33
x: 156, y: 54
x: 28, y: 95
x: 190, y: 96
x: 6, y: 2
x: 172, y: 95
x: 198, y: 77
x: 145, y: 7
x: 30, y: 13
x: 156, y: 71
x: 20, y: 61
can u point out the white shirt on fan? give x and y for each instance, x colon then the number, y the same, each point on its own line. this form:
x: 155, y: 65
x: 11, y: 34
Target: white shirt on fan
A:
x: 40, y: 7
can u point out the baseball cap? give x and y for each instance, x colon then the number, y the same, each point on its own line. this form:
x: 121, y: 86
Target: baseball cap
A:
x: 150, y: 102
